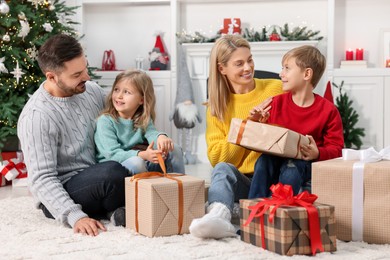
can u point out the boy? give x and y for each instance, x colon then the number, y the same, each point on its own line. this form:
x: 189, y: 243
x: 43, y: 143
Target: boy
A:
x: 303, y: 111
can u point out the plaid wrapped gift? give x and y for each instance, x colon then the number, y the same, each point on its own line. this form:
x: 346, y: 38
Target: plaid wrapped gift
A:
x: 287, y: 230
x: 266, y: 138
x: 358, y: 186
x: 163, y: 204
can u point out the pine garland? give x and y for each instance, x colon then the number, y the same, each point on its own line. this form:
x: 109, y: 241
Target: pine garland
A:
x: 299, y: 34
x: 352, y: 134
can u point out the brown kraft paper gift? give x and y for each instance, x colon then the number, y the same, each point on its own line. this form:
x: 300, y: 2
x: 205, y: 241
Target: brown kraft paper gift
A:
x: 266, y: 138
x: 332, y: 181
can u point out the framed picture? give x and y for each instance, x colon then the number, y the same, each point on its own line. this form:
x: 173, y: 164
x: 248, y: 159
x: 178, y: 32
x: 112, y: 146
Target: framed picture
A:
x: 385, y: 57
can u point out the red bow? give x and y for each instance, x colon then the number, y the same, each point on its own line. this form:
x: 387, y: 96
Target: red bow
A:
x: 282, y: 195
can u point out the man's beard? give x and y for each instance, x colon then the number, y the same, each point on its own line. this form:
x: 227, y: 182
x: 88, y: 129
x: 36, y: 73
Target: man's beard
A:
x: 70, y: 91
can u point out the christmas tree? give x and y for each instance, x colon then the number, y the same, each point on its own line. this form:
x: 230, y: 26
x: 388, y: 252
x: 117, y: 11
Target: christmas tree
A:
x: 349, y: 117
x: 24, y: 26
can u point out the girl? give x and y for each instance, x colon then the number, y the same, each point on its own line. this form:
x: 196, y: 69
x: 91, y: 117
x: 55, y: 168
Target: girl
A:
x: 126, y: 124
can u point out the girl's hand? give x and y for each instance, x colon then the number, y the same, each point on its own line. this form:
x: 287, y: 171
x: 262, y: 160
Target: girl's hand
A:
x: 150, y: 154
x: 261, y: 113
x: 310, y: 152
x: 164, y: 144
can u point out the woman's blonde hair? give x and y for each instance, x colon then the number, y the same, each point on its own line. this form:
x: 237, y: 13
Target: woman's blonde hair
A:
x: 144, y: 85
x: 218, y: 84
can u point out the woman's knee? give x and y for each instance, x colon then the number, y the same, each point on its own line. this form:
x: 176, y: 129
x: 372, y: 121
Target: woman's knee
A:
x: 224, y: 170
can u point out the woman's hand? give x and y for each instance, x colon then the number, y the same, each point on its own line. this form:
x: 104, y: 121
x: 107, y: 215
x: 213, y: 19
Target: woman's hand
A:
x: 261, y: 113
x: 310, y: 152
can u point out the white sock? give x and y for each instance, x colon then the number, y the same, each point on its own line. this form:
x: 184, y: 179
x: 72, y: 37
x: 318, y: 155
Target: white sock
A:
x: 215, y: 224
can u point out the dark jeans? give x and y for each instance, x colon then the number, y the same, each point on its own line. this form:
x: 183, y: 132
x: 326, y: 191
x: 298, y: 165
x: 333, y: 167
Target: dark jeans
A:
x: 270, y: 169
x: 99, y: 189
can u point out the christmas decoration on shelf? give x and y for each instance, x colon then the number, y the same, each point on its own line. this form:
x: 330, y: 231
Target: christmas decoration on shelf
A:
x: 251, y: 35
x: 158, y: 57
x: 231, y: 26
x: 299, y: 33
x: 24, y: 26
x: 349, y: 118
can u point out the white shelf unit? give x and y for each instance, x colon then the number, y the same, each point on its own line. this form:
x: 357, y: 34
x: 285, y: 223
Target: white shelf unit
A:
x: 129, y: 28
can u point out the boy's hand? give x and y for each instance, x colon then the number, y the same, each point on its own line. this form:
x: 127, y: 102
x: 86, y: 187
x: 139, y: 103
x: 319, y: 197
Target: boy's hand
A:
x: 310, y: 152
x: 261, y: 113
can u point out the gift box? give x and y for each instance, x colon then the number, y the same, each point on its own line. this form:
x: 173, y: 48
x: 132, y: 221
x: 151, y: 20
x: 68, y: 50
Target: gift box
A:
x: 231, y: 26
x: 359, y: 190
x: 285, y: 229
x: 266, y: 138
x: 13, y: 169
x: 163, y: 204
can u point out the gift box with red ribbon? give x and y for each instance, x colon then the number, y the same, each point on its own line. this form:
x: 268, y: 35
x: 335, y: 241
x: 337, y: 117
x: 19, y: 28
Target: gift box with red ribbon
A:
x: 287, y: 224
x: 12, y: 168
x: 162, y: 204
x: 358, y: 186
x: 231, y: 26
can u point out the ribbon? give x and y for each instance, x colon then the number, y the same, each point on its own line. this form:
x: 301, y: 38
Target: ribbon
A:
x: 13, y: 168
x: 282, y: 195
x: 147, y: 175
x: 363, y: 156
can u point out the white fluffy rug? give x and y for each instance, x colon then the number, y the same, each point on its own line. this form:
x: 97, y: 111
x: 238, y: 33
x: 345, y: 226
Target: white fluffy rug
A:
x: 26, y: 234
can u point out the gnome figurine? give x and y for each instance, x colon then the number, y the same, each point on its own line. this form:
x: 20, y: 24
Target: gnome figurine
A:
x: 185, y: 113
x: 158, y: 57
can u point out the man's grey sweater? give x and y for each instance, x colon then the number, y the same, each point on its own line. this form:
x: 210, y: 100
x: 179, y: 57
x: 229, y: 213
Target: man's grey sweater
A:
x: 56, y: 136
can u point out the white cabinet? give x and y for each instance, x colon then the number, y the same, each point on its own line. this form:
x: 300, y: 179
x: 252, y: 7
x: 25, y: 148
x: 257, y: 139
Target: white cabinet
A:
x: 369, y: 89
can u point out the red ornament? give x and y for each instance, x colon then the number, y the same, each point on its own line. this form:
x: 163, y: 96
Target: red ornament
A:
x: 274, y: 36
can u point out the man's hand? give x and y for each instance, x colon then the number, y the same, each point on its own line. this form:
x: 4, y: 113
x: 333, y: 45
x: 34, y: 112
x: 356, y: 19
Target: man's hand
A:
x: 88, y: 226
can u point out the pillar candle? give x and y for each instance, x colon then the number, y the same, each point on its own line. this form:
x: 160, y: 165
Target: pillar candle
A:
x: 388, y: 63
x: 359, y: 54
x: 349, y: 54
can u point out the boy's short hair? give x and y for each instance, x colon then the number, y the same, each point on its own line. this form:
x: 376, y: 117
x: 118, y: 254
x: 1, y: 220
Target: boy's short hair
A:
x: 307, y: 56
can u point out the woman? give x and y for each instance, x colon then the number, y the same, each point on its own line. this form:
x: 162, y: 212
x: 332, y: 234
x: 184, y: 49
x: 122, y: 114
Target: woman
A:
x: 233, y: 92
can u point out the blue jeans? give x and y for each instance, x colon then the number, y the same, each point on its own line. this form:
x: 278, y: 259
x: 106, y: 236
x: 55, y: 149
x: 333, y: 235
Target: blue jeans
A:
x: 270, y: 169
x: 173, y: 163
x: 228, y: 185
x: 99, y: 189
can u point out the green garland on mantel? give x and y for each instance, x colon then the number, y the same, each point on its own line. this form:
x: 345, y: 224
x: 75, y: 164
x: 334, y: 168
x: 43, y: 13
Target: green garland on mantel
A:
x: 296, y: 34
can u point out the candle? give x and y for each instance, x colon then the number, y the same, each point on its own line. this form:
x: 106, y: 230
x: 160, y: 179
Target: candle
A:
x: 349, y: 54
x: 359, y: 54
x: 388, y: 63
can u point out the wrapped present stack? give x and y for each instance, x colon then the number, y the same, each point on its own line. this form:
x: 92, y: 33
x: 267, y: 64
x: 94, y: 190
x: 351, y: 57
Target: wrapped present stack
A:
x: 13, y: 169
x: 163, y: 204
x: 287, y: 224
x: 358, y: 186
x: 266, y: 138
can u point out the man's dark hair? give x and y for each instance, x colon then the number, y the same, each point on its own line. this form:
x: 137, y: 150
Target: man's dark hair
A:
x: 57, y: 50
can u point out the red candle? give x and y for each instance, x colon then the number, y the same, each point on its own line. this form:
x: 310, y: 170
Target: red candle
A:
x: 349, y: 54
x: 359, y: 54
x: 388, y: 63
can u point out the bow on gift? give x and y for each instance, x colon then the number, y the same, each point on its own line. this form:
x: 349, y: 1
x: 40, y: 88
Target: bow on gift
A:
x: 12, y: 168
x: 282, y: 195
x: 367, y: 155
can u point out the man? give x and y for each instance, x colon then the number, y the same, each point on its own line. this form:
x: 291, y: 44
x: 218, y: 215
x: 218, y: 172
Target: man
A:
x: 56, y: 129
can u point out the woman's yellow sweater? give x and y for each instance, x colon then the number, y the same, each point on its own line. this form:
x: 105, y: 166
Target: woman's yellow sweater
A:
x: 218, y: 148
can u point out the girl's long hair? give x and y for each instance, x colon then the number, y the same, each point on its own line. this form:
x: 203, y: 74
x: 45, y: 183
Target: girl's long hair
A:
x: 218, y: 84
x: 143, y: 83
